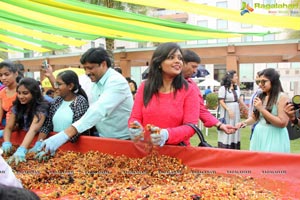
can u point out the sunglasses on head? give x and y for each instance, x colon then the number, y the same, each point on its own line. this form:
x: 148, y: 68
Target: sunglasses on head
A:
x: 262, y: 82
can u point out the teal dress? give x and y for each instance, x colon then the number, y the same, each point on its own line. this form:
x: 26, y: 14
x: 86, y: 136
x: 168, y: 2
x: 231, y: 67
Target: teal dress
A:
x: 269, y: 138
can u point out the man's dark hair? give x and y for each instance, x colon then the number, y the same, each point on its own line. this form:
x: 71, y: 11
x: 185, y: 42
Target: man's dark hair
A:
x: 13, y: 193
x: 49, y: 92
x: 190, y: 56
x: 118, y: 69
x: 20, y: 68
x: 96, y: 55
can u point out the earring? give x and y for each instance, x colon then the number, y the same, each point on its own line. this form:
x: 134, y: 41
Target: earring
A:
x: 159, y: 67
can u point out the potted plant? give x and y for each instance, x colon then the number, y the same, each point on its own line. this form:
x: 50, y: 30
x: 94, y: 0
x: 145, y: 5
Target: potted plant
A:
x: 212, y: 101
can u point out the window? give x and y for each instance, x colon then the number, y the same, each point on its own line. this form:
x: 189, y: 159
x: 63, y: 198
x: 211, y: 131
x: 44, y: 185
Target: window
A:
x: 246, y: 72
x: 219, y: 72
x: 222, y: 4
x: 295, y: 65
x: 49, y: 53
x: 247, y: 38
x: 246, y: 76
x: 246, y: 25
x: 28, y: 54
x: 142, y: 45
x: 272, y: 65
x: 269, y: 37
x: 222, y: 24
x: 202, y: 23
x: 222, y: 41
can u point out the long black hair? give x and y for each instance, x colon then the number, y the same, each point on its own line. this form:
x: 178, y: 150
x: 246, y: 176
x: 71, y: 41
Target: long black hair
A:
x: 68, y: 77
x: 32, y: 108
x: 227, y: 80
x: 275, y: 90
x: 155, y: 80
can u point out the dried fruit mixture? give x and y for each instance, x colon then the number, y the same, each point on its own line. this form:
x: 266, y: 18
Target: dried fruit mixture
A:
x: 95, y: 175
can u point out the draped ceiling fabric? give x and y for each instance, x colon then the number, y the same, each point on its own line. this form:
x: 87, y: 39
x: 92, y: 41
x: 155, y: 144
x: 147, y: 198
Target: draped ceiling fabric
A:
x: 253, y: 18
x: 39, y: 25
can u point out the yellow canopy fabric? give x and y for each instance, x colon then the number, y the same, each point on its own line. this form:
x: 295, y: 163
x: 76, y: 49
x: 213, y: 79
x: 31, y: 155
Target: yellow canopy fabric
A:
x: 42, y: 26
x: 41, y: 35
x: 46, y: 82
x: 5, y: 50
x: 107, y: 32
x: 223, y: 13
x: 22, y: 44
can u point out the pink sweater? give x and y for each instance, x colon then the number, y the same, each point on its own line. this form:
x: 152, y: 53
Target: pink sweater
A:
x: 169, y: 112
x: 204, y: 115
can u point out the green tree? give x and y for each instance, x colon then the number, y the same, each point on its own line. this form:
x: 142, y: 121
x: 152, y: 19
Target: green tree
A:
x: 212, y: 101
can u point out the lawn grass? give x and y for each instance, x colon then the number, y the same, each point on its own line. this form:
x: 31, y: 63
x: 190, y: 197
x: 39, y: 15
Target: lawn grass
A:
x: 212, y: 139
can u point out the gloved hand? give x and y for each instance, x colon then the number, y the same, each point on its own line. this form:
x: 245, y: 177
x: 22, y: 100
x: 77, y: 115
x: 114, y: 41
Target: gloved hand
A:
x: 159, y: 138
x: 42, y: 156
x: 136, y: 131
x: 52, y: 144
x: 19, y: 156
x: 34, y: 149
x: 6, y: 147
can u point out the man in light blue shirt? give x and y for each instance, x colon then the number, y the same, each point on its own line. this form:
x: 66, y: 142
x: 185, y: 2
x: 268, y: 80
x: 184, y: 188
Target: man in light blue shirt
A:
x: 110, y: 107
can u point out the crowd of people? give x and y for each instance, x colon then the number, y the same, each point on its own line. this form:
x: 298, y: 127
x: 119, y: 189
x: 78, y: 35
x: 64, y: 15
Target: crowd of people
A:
x: 168, y: 85
x: 168, y: 99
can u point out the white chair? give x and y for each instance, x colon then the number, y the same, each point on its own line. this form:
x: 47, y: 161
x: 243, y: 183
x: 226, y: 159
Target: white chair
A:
x: 216, y: 114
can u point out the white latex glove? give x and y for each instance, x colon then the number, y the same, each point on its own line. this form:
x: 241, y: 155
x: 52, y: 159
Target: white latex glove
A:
x: 54, y: 142
x: 161, y: 138
x: 136, y: 131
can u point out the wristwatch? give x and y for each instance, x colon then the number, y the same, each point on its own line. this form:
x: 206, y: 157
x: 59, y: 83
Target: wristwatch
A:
x: 219, y: 126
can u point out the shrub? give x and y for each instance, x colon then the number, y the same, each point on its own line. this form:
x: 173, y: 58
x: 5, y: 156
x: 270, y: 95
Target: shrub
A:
x: 212, y: 101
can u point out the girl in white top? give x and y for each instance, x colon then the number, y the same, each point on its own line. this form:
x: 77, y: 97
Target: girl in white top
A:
x: 7, y: 176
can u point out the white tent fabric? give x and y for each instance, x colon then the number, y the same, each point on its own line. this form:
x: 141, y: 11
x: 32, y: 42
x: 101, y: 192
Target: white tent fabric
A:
x: 209, y: 82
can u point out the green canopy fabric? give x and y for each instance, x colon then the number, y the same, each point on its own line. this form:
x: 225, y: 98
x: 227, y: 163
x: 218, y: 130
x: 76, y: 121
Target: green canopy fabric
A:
x: 284, y: 22
x: 43, y: 26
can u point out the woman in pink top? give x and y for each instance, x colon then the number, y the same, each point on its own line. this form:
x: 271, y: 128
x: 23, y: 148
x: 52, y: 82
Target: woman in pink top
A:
x: 165, y: 100
x: 8, y: 76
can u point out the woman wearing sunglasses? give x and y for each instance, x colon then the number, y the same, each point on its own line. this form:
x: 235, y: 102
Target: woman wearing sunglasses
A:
x: 270, y: 133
